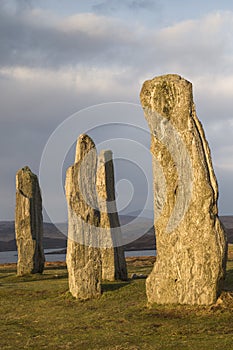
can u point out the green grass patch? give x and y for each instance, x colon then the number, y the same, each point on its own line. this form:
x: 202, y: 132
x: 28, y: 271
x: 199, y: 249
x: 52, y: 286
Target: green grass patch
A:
x: 37, y: 312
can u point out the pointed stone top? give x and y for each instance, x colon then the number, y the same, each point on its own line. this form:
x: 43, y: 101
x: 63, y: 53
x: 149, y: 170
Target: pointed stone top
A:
x: 105, y: 156
x: 26, y: 181
x: 25, y: 172
x: 84, y: 145
x: 25, y: 169
x: 164, y: 92
x: 168, y: 77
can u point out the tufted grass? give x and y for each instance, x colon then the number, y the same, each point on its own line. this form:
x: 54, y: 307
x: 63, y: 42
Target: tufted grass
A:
x: 37, y: 312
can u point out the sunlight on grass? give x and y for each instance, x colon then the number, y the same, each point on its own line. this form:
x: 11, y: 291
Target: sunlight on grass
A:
x: 38, y: 312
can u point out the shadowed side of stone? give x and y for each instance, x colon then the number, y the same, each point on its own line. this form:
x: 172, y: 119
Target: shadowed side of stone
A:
x: 191, y: 242
x: 112, y: 252
x: 28, y: 223
x: 83, y: 256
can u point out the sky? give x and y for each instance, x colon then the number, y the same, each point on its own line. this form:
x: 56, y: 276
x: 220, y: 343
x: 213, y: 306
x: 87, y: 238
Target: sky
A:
x: 60, y: 58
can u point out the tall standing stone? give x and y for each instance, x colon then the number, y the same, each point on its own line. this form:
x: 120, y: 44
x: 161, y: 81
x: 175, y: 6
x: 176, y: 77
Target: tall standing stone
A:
x: 28, y: 223
x: 191, y: 243
x: 112, y: 252
x: 83, y: 255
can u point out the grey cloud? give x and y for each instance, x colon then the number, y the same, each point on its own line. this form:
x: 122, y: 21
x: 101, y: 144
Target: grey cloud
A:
x: 38, y: 107
x: 116, y: 5
x: 24, y: 42
x: 15, y: 6
x: 143, y: 4
x: 22, y: 5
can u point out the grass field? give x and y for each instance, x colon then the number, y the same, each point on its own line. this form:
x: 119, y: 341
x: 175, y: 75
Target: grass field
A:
x: 37, y: 312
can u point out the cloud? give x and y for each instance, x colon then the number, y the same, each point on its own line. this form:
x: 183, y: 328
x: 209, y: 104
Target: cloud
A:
x: 143, y: 4
x: 16, y: 6
x: 50, y: 67
x: 33, y: 39
x: 108, y: 55
x: 112, y: 6
x: 28, y: 40
x: 89, y: 51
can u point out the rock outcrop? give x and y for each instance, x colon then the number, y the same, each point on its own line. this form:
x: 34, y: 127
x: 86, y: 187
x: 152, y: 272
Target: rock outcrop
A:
x: 191, y: 242
x: 83, y: 255
x: 112, y: 252
x: 28, y: 223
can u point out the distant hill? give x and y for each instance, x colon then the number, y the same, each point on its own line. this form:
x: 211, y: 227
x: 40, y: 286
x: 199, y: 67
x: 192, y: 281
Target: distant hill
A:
x: 141, y: 233
x: 148, y: 214
x: 7, y: 230
x: 227, y: 222
x: 53, y: 238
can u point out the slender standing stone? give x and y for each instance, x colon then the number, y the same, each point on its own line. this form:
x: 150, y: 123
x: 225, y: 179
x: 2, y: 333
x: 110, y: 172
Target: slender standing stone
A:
x: 112, y: 252
x: 83, y: 255
x: 191, y: 243
x: 28, y: 223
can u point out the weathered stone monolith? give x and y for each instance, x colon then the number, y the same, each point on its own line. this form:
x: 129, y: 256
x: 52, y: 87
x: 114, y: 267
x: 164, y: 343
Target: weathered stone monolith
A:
x: 191, y: 243
x: 28, y: 223
x: 83, y: 255
x: 112, y: 252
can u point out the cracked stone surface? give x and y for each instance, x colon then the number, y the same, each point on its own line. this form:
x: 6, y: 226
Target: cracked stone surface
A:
x: 83, y: 255
x: 191, y: 242
x: 112, y: 252
x: 28, y: 223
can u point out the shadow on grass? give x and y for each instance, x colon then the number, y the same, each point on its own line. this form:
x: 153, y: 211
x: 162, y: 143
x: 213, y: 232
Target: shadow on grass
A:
x: 110, y: 287
x: 55, y: 268
x: 7, y: 275
x: 37, y: 278
x: 228, y: 284
x: 7, y: 272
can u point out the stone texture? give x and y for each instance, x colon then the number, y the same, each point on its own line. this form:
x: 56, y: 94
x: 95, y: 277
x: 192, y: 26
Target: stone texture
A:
x: 83, y: 255
x: 191, y: 243
x: 28, y: 223
x: 112, y: 252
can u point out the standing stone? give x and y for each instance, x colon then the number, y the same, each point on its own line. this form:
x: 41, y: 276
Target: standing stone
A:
x: 83, y: 255
x: 191, y: 243
x: 28, y: 223
x: 112, y: 252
